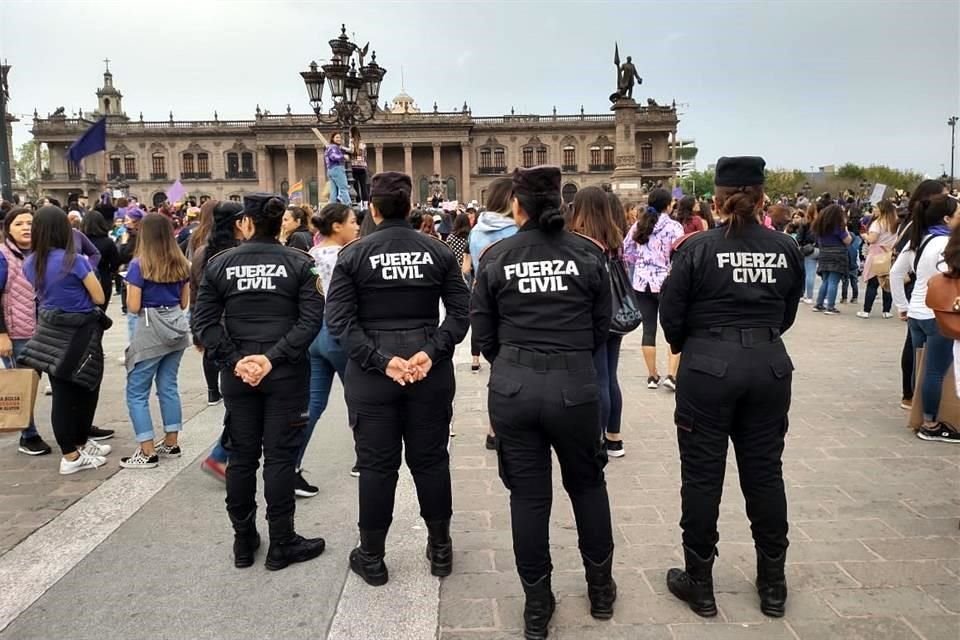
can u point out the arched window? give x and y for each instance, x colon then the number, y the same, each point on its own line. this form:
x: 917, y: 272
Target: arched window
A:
x: 528, y: 156
x: 284, y: 188
x: 492, y: 158
x: 541, y: 155
x: 188, y: 167
x: 424, y: 189
x: 106, y: 105
x: 596, y: 157
x: 115, y: 170
x: 568, y: 192
x: 203, y: 165
x: 233, y: 165
x: 646, y: 156
x: 158, y: 166
x: 485, y: 159
x: 451, y: 188
x: 130, y: 167
x: 569, y: 158
x: 609, y: 162
x: 246, y: 164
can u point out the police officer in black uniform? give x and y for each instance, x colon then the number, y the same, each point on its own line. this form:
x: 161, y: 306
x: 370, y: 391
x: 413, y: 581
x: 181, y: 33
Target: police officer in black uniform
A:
x: 731, y: 294
x: 259, y: 307
x: 384, y: 308
x: 541, y: 305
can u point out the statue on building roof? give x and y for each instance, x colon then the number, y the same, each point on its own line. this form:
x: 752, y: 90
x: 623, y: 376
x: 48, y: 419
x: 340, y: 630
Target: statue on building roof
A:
x: 60, y: 112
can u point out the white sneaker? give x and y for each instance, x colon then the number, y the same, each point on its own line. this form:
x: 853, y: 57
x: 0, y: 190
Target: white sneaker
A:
x: 48, y: 391
x: 887, y: 316
x: 863, y: 314
x: 84, y: 461
x: 94, y: 448
x: 806, y: 300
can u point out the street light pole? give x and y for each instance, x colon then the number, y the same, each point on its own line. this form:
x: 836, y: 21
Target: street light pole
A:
x: 952, y: 123
x: 6, y: 182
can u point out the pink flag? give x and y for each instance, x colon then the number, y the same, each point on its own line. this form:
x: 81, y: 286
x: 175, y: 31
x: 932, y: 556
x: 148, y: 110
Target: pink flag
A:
x: 176, y: 191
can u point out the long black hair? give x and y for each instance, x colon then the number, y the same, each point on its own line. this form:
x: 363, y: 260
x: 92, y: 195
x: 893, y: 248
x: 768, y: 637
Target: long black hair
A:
x: 94, y: 225
x: 51, y: 230
x: 917, y: 207
x: 222, y: 236
x: 657, y: 203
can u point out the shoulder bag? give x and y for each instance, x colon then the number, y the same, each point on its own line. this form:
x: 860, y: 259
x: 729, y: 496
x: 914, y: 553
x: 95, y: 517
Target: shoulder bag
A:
x: 943, y: 298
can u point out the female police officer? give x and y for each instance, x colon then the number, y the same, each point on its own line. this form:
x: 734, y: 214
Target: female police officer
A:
x: 258, y: 310
x: 732, y: 292
x: 540, y: 306
x: 384, y: 308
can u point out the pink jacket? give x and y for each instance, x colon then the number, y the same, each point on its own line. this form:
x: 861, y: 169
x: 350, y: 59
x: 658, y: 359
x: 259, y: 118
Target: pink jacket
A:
x: 19, y: 300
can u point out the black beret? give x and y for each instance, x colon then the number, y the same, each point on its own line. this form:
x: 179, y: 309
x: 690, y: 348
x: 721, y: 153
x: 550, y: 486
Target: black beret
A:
x: 255, y: 203
x: 537, y: 181
x: 391, y: 183
x: 739, y: 171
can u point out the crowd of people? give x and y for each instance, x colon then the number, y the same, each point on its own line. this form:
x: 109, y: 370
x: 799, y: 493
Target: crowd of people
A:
x: 391, y: 308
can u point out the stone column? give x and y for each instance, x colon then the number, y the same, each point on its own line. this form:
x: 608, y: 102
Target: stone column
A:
x: 321, y: 173
x: 262, y: 161
x: 173, y: 171
x: 673, y: 158
x: 378, y: 152
x: 268, y: 171
x: 437, y: 166
x: 291, y: 165
x: 408, y: 158
x: 465, y: 158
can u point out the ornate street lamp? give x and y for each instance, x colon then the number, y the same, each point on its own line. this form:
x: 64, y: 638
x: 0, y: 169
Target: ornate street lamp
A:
x: 952, y: 123
x: 345, y: 75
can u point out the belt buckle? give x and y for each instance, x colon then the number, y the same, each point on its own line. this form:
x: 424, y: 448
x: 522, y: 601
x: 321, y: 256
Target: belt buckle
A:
x: 747, y: 338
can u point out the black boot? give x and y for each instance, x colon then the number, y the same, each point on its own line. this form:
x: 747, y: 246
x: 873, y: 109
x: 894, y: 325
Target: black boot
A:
x: 538, y: 608
x: 439, y: 548
x: 246, y: 540
x: 367, y: 560
x: 695, y: 584
x: 601, y: 587
x: 771, y: 584
x: 287, y: 547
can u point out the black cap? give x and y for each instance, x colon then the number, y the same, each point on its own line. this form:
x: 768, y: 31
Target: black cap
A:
x: 391, y: 183
x: 255, y: 203
x: 739, y: 171
x: 537, y: 181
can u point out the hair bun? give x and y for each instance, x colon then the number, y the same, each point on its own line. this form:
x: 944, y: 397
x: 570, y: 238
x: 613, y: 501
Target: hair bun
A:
x: 274, y: 208
x: 551, y: 219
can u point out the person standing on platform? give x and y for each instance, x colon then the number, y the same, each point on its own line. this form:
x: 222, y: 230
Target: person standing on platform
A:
x: 358, y: 166
x: 731, y: 294
x: 383, y: 307
x: 258, y: 309
x: 541, y: 306
x: 336, y: 158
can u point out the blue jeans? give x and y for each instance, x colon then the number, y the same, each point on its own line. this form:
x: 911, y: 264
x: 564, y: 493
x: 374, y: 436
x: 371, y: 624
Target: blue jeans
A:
x: 164, y: 369
x: 131, y: 325
x: 937, y: 358
x: 326, y: 358
x: 852, y: 279
x: 810, y: 269
x: 828, y: 290
x: 9, y: 363
x: 339, y: 189
x: 606, y: 359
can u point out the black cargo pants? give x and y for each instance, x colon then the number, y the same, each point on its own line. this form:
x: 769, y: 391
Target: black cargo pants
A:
x: 269, y: 418
x: 538, y: 401
x: 733, y: 384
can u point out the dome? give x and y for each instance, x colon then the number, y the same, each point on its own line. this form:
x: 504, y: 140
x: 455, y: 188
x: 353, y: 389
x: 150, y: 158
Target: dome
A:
x: 404, y: 103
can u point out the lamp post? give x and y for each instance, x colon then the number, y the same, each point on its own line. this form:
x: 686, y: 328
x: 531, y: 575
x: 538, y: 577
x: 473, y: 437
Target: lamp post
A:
x: 952, y: 123
x: 345, y: 80
x: 6, y: 182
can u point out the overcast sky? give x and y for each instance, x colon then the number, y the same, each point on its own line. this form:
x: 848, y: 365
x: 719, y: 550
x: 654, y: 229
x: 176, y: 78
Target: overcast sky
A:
x: 803, y: 83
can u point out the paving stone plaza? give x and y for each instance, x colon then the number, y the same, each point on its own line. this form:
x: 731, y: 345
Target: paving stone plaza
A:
x: 874, y: 512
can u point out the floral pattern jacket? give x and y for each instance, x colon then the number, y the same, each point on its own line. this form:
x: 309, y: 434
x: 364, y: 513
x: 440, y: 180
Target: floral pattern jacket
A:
x: 650, y: 263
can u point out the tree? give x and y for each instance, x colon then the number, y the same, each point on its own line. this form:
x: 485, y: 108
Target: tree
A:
x: 697, y: 182
x: 783, y: 182
x: 26, y: 171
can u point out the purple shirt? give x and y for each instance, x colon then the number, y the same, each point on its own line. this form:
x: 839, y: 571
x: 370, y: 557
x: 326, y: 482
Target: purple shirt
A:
x: 154, y: 294
x: 333, y: 155
x: 63, y: 290
x: 651, y: 261
x: 834, y: 238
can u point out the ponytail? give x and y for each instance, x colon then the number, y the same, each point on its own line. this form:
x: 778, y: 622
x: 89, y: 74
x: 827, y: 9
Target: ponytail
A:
x: 544, y: 209
x: 739, y: 206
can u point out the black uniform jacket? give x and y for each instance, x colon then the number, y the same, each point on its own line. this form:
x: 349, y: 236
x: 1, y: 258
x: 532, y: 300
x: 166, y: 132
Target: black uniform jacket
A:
x: 258, y: 298
x: 753, y: 279
x: 394, y: 280
x: 548, y: 293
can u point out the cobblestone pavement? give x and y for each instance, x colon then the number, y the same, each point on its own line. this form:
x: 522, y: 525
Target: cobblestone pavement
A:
x: 31, y: 491
x: 875, y: 544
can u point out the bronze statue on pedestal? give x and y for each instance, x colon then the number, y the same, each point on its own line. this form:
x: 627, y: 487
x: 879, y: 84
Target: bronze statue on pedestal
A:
x: 626, y: 74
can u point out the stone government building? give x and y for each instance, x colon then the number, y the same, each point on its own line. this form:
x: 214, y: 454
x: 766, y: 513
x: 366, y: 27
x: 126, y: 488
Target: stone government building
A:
x: 463, y: 153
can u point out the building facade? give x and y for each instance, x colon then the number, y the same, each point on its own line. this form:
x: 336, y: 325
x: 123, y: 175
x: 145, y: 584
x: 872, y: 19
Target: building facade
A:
x: 457, y: 151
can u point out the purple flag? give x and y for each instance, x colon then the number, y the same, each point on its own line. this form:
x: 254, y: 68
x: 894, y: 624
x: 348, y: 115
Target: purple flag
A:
x: 176, y: 191
x: 677, y: 192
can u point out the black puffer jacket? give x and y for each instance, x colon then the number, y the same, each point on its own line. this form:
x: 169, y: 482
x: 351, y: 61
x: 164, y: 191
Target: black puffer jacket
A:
x: 68, y: 346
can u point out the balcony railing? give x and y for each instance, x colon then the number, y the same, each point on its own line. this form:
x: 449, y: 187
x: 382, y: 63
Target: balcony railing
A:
x: 569, y: 168
x: 47, y: 176
x: 159, y: 176
x: 602, y: 167
x: 665, y: 165
x: 196, y: 175
x: 123, y: 176
x: 488, y: 171
x: 241, y: 175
